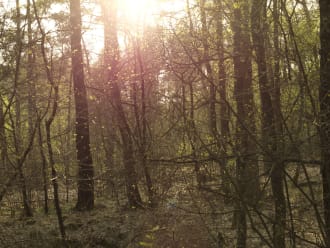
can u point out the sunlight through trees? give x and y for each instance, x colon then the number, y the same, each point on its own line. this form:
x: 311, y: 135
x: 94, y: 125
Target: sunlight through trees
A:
x: 164, y: 123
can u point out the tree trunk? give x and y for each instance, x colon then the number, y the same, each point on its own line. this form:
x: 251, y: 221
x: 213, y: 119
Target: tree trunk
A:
x: 324, y: 98
x: 18, y: 128
x: 209, y: 72
x: 30, y: 83
x: 258, y: 9
x: 68, y: 145
x: 52, y: 101
x: 44, y: 169
x: 26, y: 203
x: 246, y: 164
x: 3, y: 141
x: 143, y: 143
x: 108, y: 139
x: 190, y: 121
x: 111, y: 60
x: 276, y: 79
x: 52, y: 164
x: 84, y: 157
x: 222, y: 84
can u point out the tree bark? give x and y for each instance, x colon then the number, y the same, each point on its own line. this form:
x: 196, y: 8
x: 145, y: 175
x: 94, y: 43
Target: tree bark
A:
x: 84, y: 157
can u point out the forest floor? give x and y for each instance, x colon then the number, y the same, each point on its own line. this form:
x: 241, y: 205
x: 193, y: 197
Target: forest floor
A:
x: 107, y: 226
x: 187, y: 217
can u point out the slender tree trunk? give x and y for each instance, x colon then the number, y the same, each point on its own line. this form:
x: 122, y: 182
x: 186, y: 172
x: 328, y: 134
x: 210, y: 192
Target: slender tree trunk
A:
x: 18, y: 134
x: 84, y: 156
x: 30, y: 71
x: 258, y: 9
x: 3, y: 141
x: 132, y: 190
x: 108, y: 138
x: 324, y: 98
x: 68, y: 145
x: 277, y: 87
x: 191, y: 130
x: 53, y: 101
x: 30, y: 82
x: 26, y: 203
x: 52, y: 164
x: 190, y: 125
x: 143, y: 145
x: 209, y: 72
x: 222, y: 84
x: 111, y: 60
x: 246, y: 164
x: 18, y: 149
x: 44, y: 169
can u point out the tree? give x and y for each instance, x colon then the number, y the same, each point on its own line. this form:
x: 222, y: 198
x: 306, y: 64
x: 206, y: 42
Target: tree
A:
x: 273, y: 165
x: 3, y: 152
x: 18, y: 121
x: 53, y: 102
x: 85, y: 162
x: 222, y: 85
x: 142, y: 131
x: 246, y: 163
x: 111, y: 65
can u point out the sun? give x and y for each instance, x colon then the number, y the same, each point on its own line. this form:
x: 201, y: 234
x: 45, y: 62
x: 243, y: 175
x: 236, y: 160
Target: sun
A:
x: 139, y: 12
x: 134, y: 17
